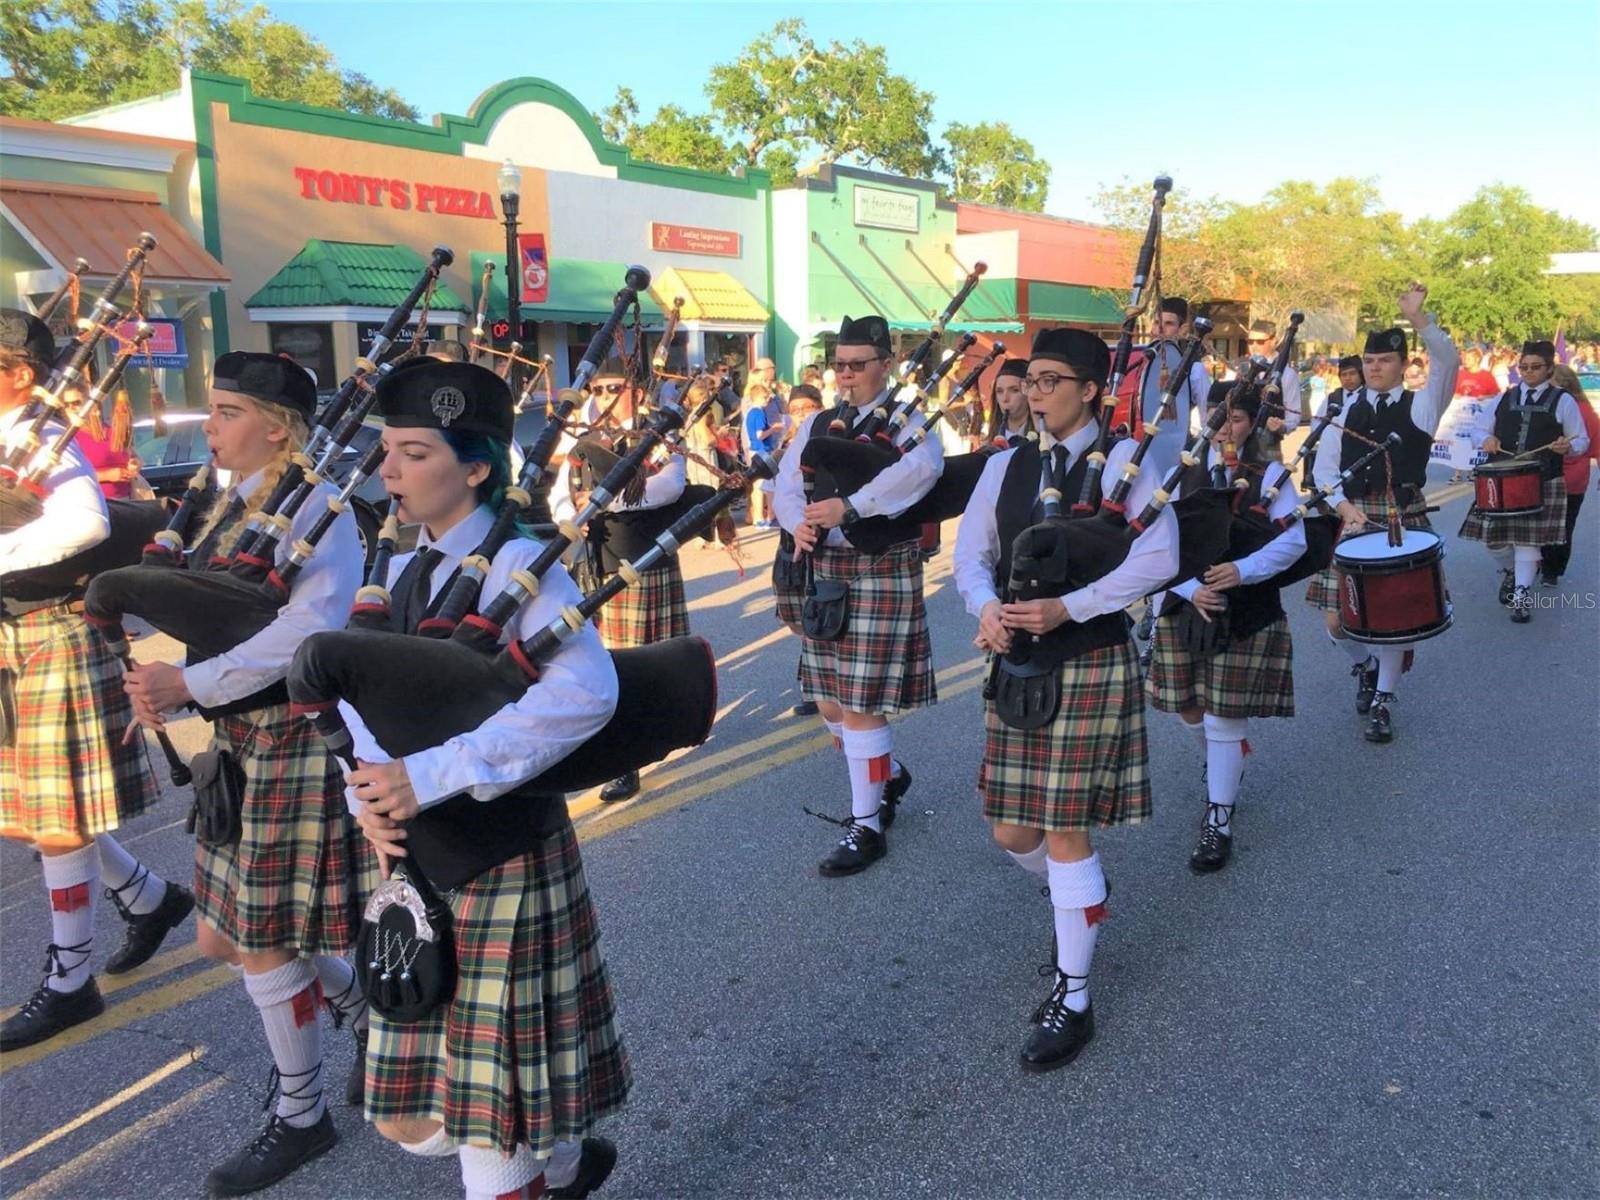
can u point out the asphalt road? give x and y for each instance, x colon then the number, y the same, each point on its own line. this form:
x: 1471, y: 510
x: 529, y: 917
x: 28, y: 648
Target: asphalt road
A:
x: 1389, y: 992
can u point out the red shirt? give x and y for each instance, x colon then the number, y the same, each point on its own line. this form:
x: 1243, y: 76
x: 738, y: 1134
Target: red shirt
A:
x: 112, y: 467
x: 1477, y: 384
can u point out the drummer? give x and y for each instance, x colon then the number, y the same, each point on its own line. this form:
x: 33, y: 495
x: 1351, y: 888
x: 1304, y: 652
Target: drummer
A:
x: 1380, y: 408
x: 1536, y: 421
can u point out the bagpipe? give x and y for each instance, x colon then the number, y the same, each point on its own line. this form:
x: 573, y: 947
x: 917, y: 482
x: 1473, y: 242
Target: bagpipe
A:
x: 666, y: 700
x: 1089, y: 497
x: 1062, y: 553
x: 28, y: 462
x: 219, y: 604
x: 837, y: 465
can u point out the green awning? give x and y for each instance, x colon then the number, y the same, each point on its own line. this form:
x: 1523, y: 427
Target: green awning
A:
x: 581, y: 292
x: 350, y: 275
x: 1073, y: 302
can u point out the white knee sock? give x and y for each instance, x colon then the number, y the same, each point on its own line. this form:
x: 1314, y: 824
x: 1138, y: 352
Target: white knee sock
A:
x: 342, y: 991
x: 139, y: 888
x: 835, y: 731
x: 489, y: 1175
x: 867, y: 751
x: 1526, y: 565
x: 1359, y: 652
x: 1033, y: 862
x: 1225, y: 751
x: 1078, y: 893
x: 70, y: 880
x: 288, y: 1001
x: 436, y: 1145
x: 1197, y: 731
x: 561, y: 1168
x: 1391, y: 665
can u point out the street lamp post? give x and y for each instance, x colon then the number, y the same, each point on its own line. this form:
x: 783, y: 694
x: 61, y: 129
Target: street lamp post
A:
x: 510, y: 180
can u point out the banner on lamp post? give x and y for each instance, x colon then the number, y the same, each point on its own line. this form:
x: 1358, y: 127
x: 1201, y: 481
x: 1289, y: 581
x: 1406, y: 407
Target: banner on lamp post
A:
x: 535, y: 268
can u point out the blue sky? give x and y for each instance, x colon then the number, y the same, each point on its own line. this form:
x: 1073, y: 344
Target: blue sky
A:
x: 1431, y: 99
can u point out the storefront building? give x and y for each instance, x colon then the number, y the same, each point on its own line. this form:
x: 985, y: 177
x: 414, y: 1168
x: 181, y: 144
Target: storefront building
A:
x: 848, y: 242
x: 325, y: 219
x: 69, y: 192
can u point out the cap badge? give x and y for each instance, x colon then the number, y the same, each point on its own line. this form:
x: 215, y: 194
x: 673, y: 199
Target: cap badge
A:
x: 447, y: 403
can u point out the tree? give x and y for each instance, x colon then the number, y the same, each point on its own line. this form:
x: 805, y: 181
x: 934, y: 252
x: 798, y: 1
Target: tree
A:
x: 66, y: 57
x: 786, y: 101
x: 673, y: 136
x: 988, y: 164
x: 1487, y: 265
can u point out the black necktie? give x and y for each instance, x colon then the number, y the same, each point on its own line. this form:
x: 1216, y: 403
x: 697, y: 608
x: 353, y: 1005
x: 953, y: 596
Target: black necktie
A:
x: 1383, y: 400
x: 1058, y: 468
x: 418, y: 594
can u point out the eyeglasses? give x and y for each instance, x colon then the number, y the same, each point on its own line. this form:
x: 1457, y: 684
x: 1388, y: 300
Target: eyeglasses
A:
x: 841, y: 365
x: 608, y: 389
x: 1048, y: 382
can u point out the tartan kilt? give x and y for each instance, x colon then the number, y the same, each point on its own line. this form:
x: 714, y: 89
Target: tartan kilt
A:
x: 1323, y: 590
x: 650, y: 611
x: 1547, y: 527
x: 64, y: 773
x: 884, y: 662
x: 1088, y: 768
x: 527, y: 1050
x: 301, y: 871
x: 1253, y: 677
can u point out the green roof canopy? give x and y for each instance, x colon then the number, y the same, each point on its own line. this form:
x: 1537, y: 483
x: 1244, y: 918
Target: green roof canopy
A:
x: 350, y: 275
x: 581, y: 292
x: 1073, y: 302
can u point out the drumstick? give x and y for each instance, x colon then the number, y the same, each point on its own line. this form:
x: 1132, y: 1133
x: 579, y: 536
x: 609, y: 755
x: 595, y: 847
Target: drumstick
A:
x: 1532, y: 452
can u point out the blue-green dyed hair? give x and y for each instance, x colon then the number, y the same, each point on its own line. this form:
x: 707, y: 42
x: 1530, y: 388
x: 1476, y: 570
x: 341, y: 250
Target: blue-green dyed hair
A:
x: 473, y: 447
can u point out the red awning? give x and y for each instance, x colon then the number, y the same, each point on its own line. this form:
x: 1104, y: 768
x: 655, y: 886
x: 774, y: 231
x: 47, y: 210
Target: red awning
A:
x: 65, y: 222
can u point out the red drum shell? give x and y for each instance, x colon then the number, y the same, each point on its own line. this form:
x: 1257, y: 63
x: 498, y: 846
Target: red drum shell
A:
x: 1392, y: 594
x: 1508, y: 489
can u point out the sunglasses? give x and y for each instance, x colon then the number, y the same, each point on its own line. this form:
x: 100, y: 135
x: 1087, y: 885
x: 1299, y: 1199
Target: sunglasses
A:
x: 608, y: 389
x: 859, y: 364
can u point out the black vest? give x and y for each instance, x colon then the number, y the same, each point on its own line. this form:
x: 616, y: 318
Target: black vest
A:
x: 1252, y: 606
x: 199, y: 559
x: 870, y: 535
x: 1017, y: 508
x: 1410, y: 460
x: 1521, y: 427
x: 458, y: 840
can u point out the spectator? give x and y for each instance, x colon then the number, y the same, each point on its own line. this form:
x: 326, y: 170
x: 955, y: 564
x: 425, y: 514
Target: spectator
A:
x: 1475, y: 379
x: 830, y: 388
x: 760, y: 430
x: 1416, y: 375
x: 766, y: 374
x: 1576, y: 470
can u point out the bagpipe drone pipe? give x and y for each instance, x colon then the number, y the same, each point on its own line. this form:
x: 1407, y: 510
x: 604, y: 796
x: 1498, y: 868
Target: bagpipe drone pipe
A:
x: 27, y: 462
x: 666, y: 700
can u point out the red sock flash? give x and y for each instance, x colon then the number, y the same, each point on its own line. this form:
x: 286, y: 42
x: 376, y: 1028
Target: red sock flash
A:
x: 69, y: 899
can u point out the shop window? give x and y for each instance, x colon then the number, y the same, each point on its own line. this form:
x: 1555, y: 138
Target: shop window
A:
x: 731, y: 348
x: 311, y: 346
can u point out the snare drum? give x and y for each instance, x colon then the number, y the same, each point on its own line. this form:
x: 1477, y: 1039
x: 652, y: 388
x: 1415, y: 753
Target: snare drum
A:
x: 1508, y: 488
x: 1392, y: 593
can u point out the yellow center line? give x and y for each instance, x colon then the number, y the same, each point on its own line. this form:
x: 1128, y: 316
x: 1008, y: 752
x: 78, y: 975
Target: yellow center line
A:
x: 119, y: 1016
x: 54, y: 1183
x: 105, y: 1106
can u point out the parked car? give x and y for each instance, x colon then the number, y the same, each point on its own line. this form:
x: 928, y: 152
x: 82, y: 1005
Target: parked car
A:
x: 169, y: 460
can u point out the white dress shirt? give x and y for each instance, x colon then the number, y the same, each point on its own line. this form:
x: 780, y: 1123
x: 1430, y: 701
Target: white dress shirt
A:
x: 1567, y: 413
x: 1152, y: 560
x: 888, y: 494
x: 74, y: 509
x: 573, y: 699
x: 319, y: 599
x: 1277, y: 555
x: 1427, y: 405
